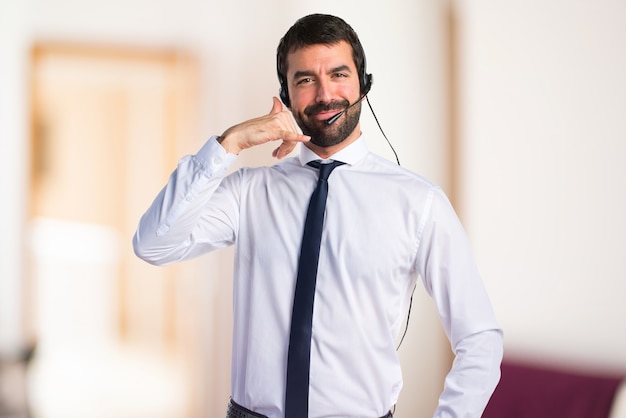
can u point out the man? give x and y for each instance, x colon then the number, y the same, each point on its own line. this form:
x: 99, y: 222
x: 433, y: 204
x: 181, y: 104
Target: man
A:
x: 383, y: 228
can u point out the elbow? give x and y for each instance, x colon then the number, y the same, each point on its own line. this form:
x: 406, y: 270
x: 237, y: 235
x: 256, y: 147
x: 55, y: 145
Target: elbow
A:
x: 146, y: 251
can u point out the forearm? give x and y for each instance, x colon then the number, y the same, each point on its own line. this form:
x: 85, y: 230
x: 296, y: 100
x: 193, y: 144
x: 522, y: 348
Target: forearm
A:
x: 170, y: 230
x: 473, y: 377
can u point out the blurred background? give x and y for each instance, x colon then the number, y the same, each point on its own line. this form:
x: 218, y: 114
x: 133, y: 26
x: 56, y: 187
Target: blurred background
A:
x: 515, y: 107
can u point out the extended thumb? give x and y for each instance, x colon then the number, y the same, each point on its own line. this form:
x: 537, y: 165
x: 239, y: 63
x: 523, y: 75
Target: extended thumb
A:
x: 277, y: 105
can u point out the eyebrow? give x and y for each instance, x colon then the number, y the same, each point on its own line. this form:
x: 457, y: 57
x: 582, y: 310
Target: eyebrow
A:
x: 306, y: 73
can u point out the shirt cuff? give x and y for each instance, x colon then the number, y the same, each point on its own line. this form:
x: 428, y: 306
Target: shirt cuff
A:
x: 214, y: 157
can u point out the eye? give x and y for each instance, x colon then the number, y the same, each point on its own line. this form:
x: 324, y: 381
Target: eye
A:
x: 341, y: 74
x: 305, y: 80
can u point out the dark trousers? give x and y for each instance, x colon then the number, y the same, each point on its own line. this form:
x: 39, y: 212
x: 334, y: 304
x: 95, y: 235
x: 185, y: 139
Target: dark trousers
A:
x: 237, y: 411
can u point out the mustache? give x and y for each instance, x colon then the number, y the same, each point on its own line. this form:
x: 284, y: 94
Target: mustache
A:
x: 324, y: 107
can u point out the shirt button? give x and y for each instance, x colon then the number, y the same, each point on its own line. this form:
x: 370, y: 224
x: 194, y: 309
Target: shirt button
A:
x: 217, y: 160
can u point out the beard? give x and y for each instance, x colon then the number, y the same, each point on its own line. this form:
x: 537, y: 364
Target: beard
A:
x: 322, y: 134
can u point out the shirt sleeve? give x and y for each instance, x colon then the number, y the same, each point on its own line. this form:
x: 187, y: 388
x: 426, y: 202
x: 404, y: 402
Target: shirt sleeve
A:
x: 188, y: 217
x: 474, y: 375
x: 451, y: 277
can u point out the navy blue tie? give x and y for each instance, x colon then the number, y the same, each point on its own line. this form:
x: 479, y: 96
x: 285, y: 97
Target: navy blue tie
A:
x: 299, y: 355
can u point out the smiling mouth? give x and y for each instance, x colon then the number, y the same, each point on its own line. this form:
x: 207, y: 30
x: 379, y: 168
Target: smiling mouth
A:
x: 325, y: 111
x: 325, y: 115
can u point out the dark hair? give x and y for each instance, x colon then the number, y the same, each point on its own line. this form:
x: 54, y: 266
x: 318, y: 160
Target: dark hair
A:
x: 313, y: 30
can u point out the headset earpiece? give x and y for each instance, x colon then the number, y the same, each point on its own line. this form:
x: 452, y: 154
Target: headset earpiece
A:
x: 366, y: 83
x: 365, y: 78
x: 283, y: 93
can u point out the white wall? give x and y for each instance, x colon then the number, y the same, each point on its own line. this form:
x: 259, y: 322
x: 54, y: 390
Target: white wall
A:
x: 544, y: 181
x: 13, y: 131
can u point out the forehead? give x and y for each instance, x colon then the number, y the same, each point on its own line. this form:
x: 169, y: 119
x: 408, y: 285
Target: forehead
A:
x: 319, y: 57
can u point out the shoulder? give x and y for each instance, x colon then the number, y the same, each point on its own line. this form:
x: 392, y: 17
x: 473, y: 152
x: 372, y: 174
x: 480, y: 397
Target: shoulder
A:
x: 395, y: 173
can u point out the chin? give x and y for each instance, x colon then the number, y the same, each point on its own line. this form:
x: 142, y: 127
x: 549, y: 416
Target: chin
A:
x: 324, y: 135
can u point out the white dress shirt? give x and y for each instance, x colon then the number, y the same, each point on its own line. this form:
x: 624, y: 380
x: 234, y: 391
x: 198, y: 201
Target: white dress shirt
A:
x: 384, y: 227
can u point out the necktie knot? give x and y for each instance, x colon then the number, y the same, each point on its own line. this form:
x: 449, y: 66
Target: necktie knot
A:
x: 325, y: 169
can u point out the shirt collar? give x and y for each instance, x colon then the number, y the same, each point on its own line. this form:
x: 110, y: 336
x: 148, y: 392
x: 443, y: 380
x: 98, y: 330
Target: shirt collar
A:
x: 349, y: 155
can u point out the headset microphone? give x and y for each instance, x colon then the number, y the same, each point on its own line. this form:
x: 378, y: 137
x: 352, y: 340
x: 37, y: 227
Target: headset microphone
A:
x: 338, y: 115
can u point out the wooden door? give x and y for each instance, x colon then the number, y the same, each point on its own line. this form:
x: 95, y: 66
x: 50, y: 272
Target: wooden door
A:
x: 107, y: 125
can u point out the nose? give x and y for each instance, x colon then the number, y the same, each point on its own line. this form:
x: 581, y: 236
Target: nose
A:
x: 323, y: 92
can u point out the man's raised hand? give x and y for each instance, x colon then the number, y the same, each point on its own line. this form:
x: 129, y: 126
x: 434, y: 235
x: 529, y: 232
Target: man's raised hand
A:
x: 276, y: 125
